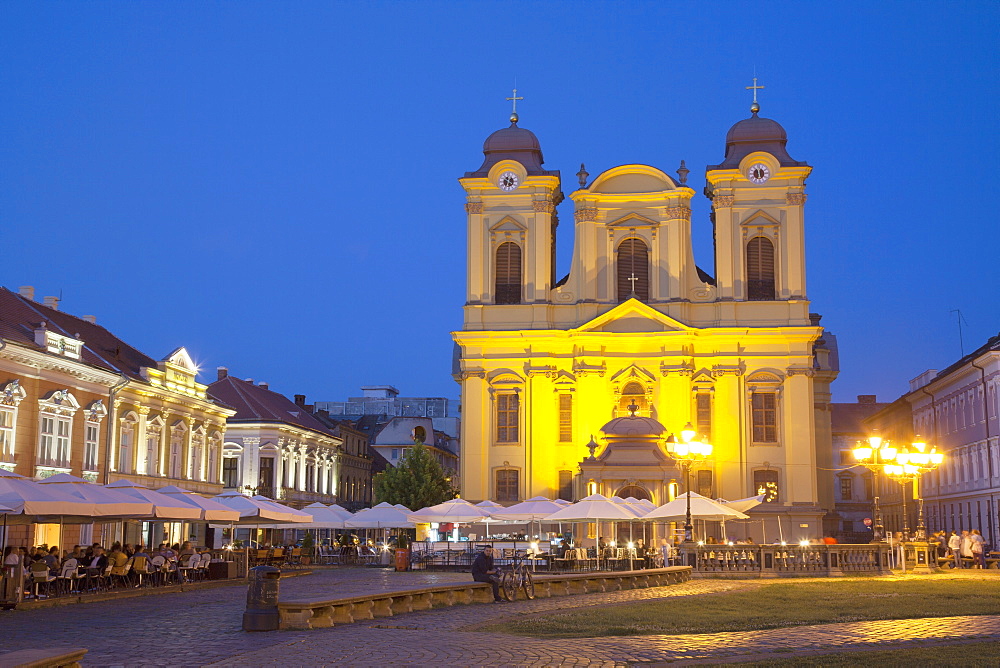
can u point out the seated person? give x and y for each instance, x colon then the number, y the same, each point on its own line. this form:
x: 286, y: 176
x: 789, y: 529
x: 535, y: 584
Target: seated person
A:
x: 117, y: 558
x: 51, y: 559
x: 484, y: 571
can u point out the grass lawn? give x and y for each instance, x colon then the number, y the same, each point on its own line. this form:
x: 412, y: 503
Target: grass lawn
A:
x: 775, y: 604
x: 965, y: 655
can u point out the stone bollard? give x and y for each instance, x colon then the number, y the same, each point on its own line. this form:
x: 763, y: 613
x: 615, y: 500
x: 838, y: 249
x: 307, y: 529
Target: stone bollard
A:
x: 262, y: 600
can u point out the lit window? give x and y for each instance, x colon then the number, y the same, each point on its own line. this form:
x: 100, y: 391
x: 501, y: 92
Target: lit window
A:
x: 7, y: 435
x: 766, y: 483
x: 231, y: 472
x: 92, y: 436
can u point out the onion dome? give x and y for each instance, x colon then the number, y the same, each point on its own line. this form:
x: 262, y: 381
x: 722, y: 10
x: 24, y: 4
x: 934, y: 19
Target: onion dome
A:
x: 513, y: 143
x: 756, y: 134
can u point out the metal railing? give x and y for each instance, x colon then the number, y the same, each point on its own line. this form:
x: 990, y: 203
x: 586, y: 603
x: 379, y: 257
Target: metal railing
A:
x: 781, y: 560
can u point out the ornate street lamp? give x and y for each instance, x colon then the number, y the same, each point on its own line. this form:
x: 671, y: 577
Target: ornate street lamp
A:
x: 911, y: 463
x: 686, y: 452
x: 874, y: 456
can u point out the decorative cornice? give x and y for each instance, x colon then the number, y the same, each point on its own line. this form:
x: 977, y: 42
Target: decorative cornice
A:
x: 723, y: 369
x: 582, y: 369
x: 548, y: 371
x: 795, y: 198
x: 679, y: 369
x: 473, y: 207
x: 722, y: 201
x: 543, y: 206
x: 682, y: 212
x: 801, y: 371
x: 473, y: 373
x: 585, y: 214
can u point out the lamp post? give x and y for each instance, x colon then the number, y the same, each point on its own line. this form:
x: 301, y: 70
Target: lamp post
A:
x: 874, y: 456
x: 686, y: 452
x: 911, y: 463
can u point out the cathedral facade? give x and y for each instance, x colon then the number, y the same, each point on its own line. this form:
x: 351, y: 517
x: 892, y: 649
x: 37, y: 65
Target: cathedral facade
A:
x: 544, y: 364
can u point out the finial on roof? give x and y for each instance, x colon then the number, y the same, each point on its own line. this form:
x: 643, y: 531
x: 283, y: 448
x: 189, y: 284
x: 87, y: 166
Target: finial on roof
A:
x: 754, y: 108
x: 683, y: 172
x: 582, y: 176
x: 513, y: 113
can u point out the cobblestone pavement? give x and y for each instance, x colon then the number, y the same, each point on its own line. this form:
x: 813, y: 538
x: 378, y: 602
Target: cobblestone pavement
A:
x: 203, y: 627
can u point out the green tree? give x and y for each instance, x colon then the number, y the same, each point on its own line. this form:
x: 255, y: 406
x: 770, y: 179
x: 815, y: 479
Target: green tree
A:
x: 416, y: 482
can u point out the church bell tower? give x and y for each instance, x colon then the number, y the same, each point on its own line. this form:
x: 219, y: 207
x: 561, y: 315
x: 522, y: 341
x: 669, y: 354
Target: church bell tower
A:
x: 758, y: 196
x: 510, y: 205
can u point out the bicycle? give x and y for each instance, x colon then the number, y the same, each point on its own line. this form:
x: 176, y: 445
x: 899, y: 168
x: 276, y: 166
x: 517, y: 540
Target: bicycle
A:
x: 513, y: 577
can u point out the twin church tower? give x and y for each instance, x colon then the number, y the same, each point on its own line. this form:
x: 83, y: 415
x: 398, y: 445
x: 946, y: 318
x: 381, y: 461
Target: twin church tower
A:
x: 546, y: 362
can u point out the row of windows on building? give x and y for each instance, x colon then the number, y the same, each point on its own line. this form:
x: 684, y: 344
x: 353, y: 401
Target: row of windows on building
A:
x: 58, y: 411
x: 632, y: 270
x: 763, y: 414
x: 963, y: 410
x: 163, y: 450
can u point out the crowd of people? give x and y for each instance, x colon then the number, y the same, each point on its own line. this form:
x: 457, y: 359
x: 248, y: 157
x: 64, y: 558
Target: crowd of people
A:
x: 959, y: 547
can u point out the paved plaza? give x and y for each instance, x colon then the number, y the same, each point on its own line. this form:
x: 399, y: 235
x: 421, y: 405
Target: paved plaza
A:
x: 199, y: 628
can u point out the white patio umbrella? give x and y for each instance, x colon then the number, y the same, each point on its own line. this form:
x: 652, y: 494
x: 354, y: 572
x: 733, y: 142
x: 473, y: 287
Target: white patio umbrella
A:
x: 383, y: 516
x: 534, y: 509
x: 323, y: 517
x: 209, y: 509
x: 489, y: 506
x: 165, y: 507
x: 456, y: 511
x: 702, y: 508
x: 562, y: 502
x: 341, y: 512
x: 260, y: 510
x: 30, y: 502
x: 107, y: 502
x: 593, y: 508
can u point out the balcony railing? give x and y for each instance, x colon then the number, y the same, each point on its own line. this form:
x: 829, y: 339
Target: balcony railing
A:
x: 786, y: 560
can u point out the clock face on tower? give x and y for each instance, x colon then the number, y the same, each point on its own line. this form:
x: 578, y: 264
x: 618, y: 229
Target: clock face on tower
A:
x: 759, y: 173
x: 507, y: 181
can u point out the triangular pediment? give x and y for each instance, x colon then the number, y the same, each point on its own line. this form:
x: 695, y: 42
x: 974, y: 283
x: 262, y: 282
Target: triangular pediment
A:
x: 633, y: 220
x: 507, y: 224
x: 760, y: 218
x: 182, y: 359
x: 634, y: 317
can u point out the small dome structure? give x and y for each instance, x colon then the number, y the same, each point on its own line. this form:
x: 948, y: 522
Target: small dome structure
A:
x: 756, y: 134
x: 513, y: 143
x: 632, y: 426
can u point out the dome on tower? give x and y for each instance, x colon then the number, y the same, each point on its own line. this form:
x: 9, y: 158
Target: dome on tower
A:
x: 756, y: 134
x: 511, y: 139
x: 513, y: 143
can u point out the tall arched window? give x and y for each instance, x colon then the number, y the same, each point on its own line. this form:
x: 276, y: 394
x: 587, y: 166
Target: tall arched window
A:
x: 632, y: 264
x: 508, y: 274
x: 760, y: 269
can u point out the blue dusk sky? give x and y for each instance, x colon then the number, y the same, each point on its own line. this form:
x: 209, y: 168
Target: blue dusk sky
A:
x: 274, y: 185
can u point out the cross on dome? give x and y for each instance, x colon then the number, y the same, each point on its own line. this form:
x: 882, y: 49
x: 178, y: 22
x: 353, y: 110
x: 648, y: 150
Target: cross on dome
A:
x: 514, y: 99
x: 755, y: 107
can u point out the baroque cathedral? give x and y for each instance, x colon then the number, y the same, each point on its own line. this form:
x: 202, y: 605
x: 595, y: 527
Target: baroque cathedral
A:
x: 547, y: 364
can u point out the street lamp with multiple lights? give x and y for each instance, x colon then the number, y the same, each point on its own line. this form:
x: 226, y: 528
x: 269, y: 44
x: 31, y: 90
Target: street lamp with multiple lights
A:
x: 874, y: 456
x: 686, y: 452
x: 911, y: 463
x: 901, y: 464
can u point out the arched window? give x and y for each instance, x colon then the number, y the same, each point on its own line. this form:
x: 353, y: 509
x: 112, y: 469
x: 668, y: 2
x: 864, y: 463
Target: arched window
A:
x: 508, y: 274
x: 633, y: 392
x: 634, y: 491
x: 760, y: 269
x: 633, y: 267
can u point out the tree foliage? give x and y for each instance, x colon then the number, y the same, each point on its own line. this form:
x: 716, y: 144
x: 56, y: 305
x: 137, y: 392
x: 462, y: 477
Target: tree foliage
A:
x: 416, y: 482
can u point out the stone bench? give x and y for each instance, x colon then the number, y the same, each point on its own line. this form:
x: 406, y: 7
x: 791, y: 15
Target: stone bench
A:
x: 317, y: 613
x: 43, y: 658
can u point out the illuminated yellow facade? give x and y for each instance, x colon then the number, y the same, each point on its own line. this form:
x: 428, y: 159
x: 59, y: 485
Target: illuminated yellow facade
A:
x: 544, y: 365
